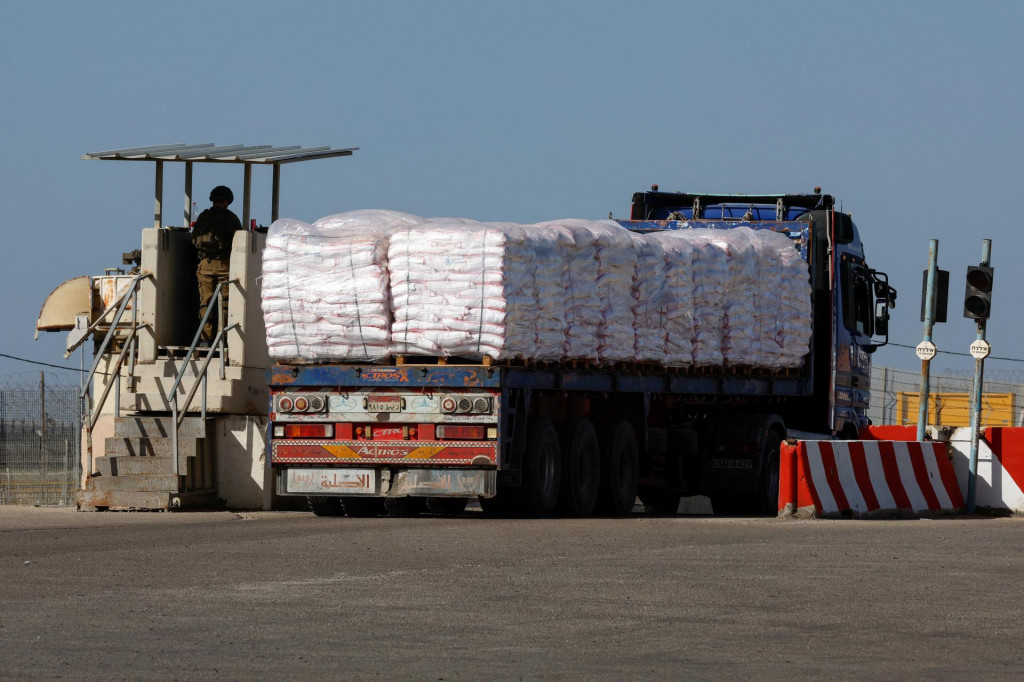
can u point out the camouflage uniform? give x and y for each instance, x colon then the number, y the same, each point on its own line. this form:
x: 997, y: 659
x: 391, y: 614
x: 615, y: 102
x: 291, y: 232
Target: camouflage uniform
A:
x: 212, y: 235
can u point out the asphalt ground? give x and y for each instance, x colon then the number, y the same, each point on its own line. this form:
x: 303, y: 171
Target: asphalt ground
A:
x: 275, y: 595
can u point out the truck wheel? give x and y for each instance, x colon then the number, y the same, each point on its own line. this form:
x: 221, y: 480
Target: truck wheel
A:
x: 325, y: 505
x: 542, y: 471
x: 405, y: 506
x: 768, y: 485
x: 363, y: 506
x: 581, y: 468
x: 620, y: 469
x: 447, y: 506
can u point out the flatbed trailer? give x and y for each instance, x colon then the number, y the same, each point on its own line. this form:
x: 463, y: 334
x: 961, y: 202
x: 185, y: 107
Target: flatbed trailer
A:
x: 576, y: 438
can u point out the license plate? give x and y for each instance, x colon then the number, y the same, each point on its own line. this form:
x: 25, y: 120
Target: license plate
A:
x: 331, y: 481
x: 384, y: 403
x: 732, y: 464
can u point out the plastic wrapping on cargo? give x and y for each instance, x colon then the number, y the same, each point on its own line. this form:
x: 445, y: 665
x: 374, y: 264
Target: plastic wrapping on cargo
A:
x: 362, y: 285
x: 325, y: 286
x: 795, y: 306
x: 553, y: 246
x: 581, y: 302
x: 615, y: 268
x: 678, y: 297
x: 769, y: 294
x: 650, y: 299
x: 710, y: 274
x: 739, y: 332
x: 464, y: 289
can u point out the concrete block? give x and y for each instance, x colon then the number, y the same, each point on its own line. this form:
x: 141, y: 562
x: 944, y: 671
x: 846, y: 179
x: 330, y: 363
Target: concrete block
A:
x: 135, y: 483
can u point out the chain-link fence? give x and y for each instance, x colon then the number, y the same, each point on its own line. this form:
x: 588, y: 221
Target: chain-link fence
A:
x: 895, y: 397
x: 40, y: 418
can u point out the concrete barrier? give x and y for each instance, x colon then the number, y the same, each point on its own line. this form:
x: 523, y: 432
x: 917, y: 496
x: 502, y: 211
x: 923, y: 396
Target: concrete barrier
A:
x: 1000, y: 473
x: 867, y: 478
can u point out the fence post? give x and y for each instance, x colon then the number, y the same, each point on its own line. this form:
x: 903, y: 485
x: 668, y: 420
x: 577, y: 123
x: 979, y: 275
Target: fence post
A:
x: 42, y: 437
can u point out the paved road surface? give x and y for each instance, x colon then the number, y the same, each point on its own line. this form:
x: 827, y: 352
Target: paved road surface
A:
x: 291, y: 596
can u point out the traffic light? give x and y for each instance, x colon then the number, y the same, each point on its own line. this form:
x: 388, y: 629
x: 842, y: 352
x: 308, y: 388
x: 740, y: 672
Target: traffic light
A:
x: 978, y: 297
x: 941, y: 295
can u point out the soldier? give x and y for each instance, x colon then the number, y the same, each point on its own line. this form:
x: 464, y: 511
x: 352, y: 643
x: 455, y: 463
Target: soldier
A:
x: 212, y: 235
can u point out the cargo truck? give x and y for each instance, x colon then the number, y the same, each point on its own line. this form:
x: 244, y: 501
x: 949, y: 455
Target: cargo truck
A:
x: 575, y: 438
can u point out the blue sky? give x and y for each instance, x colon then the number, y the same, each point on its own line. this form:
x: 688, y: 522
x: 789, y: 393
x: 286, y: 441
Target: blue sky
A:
x: 908, y: 112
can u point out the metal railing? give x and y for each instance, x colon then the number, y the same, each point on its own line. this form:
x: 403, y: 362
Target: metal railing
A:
x: 128, y: 348
x: 178, y: 413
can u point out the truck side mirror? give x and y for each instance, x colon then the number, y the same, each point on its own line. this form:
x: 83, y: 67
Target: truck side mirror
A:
x: 882, y: 318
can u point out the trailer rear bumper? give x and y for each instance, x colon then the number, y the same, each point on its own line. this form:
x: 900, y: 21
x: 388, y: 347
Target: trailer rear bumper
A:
x: 387, y: 482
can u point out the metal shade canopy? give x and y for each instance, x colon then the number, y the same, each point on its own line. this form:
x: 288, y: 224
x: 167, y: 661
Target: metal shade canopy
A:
x: 208, y: 152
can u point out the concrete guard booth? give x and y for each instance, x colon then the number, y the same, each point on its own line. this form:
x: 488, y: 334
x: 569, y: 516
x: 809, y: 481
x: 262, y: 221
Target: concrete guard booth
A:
x: 171, y: 424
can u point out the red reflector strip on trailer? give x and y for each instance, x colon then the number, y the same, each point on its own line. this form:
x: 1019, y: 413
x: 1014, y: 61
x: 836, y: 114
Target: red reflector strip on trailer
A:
x: 309, y: 431
x: 451, y: 432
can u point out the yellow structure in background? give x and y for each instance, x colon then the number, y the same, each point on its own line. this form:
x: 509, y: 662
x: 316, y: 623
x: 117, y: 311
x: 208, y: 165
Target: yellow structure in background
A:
x: 954, y: 409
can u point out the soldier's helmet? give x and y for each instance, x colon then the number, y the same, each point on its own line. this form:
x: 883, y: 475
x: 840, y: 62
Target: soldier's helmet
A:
x: 221, y: 193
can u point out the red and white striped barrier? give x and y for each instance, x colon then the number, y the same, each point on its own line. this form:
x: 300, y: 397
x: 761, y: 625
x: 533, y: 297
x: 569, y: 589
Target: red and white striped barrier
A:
x: 1000, y: 470
x: 867, y: 478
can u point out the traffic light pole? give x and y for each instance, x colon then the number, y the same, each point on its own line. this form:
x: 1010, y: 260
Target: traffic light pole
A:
x: 927, y: 350
x: 979, y: 374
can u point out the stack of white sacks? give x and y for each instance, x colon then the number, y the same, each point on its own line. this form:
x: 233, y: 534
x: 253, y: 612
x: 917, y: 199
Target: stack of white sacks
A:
x: 364, y: 285
x: 465, y: 289
x: 325, y: 286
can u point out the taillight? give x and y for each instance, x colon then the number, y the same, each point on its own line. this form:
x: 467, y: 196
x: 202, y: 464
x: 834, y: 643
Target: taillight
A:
x: 301, y: 404
x: 284, y: 405
x: 466, y: 404
x: 450, y: 432
x: 309, y: 430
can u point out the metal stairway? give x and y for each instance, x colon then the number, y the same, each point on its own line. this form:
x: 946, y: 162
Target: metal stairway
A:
x: 156, y: 460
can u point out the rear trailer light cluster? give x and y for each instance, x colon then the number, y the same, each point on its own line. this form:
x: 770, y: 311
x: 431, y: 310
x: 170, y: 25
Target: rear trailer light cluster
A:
x: 302, y: 403
x: 303, y: 430
x: 464, y: 432
x: 465, y: 405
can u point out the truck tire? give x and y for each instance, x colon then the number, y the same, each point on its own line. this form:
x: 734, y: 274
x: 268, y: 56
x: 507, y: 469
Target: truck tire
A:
x: 325, y: 505
x: 405, y: 506
x: 363, y: 506
x: 620, y: 469
x: 537, y: 494
x: 447, y: 506
x: 581, y: 468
